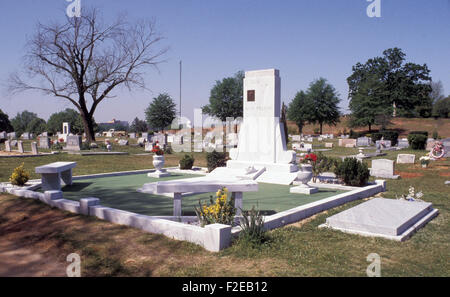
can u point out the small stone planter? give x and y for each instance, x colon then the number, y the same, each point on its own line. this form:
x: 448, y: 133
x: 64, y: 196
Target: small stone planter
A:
x: 304, y: 176
x: 158, y: 162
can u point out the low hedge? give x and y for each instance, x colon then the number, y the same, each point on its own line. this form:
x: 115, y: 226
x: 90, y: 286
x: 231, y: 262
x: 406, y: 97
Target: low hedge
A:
x: 187, y: 162
x: 387, y: 135
x: 216, y: 159
x: 352, y: 171
x: 419, y: 132
x: 417, y: 141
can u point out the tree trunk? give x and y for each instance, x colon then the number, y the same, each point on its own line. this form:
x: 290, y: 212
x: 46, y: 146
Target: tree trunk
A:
x: 321, y: 124
x: 88, y: 123
x: 370, y: 127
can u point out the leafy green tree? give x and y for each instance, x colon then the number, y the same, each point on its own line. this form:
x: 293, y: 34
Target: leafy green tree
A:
x: 37, y: 126
x: 298, y: 110
x: 389, y: 83
x: 161, y: 112
x: 138, y: 126
x: 21, y: 121
x: 370, y: 105
x: 69, y: 115
x: 5, y: 124
x: 226, y: 98
x: 322, y: 106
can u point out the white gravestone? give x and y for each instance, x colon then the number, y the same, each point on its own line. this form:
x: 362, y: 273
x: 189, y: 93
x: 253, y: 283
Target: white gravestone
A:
x: 383, y: 143
x: 34, y: 148
x: 20, y: 146
x: 383, y: 168
x: 363, y: 141
x: 66, y: 132
x: 73, y: 143
x: 403, y: 143
x: 328, y: 144
x: 296, y: 138
x: 7, y: 146
x: 3, y: 135
x: 262, y: 140
x: 148, y: 146
x: 123, y: 142
x: 406, y: 158
x: 44, y: 142
x: 389, y: 218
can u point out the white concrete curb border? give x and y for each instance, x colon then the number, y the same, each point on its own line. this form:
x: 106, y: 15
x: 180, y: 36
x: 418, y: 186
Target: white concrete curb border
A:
x: 212, y: 237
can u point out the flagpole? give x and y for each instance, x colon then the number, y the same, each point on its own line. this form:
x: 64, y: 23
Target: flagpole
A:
x: 180, y: 85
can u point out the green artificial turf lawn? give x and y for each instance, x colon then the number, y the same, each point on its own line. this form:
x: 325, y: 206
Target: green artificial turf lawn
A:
x: 120, y: 192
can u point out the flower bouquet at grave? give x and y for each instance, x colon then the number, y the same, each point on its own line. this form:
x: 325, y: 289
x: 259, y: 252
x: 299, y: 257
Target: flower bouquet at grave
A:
x: 219, y: 211
x: 157, y: 150
x: 20, y: 176
x: 319, y: 163
x: 425, y: 160
x: 61, y: 140
x: 309, y: 159
x: 411, y: 196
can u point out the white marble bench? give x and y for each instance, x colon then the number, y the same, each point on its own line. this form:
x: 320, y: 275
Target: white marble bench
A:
x: 201, y: 185
x: 55, y: 174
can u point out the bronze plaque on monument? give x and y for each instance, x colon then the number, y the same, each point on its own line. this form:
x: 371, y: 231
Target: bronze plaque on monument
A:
x: 251, y: 95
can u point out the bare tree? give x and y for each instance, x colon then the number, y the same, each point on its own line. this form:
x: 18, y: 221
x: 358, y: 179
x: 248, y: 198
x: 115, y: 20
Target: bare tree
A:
x: 437, y: 91
x: 83, y: 60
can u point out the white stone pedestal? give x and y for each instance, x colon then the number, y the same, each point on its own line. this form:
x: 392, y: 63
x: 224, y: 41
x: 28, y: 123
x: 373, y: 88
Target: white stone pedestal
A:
x: 303, y: 189
x: 159, y: 174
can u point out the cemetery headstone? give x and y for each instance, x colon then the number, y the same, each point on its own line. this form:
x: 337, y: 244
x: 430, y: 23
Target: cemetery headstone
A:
x: 406, y: 158
x: 12, y: 135
x: 132, y: 135
x: 261, y: 133
x: 66, y: 131
x: 7, y: 146
x: 363, y: 141
x: 403, y: 143
x: 34, y: 148
x: 145, y: 135
x: 328, y: 144
x: 20, y: 146
x: 44, y: 142
x: 73, y: 143
x: 383, y: 168
x: 13, y: 143
x: 384, y: 143
x: 123, y: 142
x: 141, y: 141
x: 296, y: 138
x: 148, y: 146
x: 3, y: 135
x: 347, y: 141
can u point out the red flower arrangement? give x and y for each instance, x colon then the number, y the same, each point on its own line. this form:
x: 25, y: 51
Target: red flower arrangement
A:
x: 61, y: 140
x: 310, y: 158
x: 157, y: 150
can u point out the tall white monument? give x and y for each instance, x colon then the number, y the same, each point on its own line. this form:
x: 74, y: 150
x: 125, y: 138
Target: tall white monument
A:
x: 261, y: 137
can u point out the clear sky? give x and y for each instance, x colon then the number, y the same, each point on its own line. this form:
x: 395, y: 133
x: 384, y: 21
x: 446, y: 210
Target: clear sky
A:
x: 304, y: 39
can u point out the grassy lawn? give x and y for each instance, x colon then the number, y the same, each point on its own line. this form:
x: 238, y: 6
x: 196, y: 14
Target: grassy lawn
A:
x: 95, y: 164
x: 300, y: 249
x: 120, y: 192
